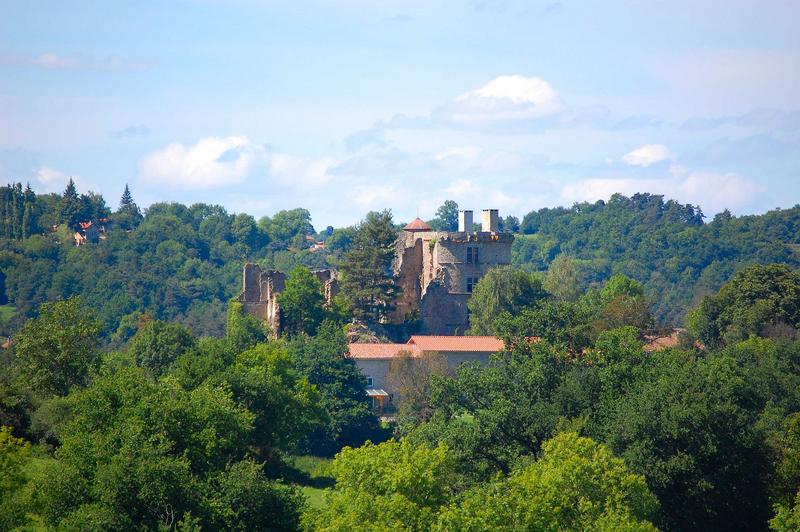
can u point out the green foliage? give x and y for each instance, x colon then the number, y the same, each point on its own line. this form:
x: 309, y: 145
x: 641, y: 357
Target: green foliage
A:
x: 396, y: 485
x: 142, y: 453
x: 158, y: 345
x: 577, y: 484
x: 662, y: 244
x: 491, y: 417
x: 759, y: 300
x: 128, y: 216
x: 563, y: 278
x: 242, y: 498
x: 787, y: 518
x: 14, y: 453
x: 690, y: 426
x: 301, y: 303
x: 285, y: 405
x: 446, y: 217
x: 57, y: 350
x: 367, y: 268
x: 322, y: 360
x: 502, y: 289
x: 244, y: 330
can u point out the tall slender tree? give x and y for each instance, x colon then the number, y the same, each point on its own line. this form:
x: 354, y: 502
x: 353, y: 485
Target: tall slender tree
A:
x: 367, y: 269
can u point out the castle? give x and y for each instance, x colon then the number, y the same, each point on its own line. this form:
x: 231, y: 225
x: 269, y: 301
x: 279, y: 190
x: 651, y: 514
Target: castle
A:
x: 437, y: 271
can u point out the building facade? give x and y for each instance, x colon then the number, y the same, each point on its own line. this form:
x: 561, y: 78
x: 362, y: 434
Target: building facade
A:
x: 375, y: 360
x: 437, y: 270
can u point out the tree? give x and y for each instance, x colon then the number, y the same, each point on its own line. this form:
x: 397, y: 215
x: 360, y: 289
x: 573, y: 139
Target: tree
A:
x: 393, y: 485
x: 492, y: 416
x: 158, y: 345
x: 411, y: 379
x: 70, y: 208
x: 57, y: 350
x: 446, y: 217
x: 301, y: 303
x: 128, y: 216
x: 577, y: 484
x: 563, y: 278
x: 243, y: 498
x: 690, y: 426
x: 322, y: 360
x: 286, y: 406
x: 753, y: 300
x: 243, y: 330
x: 14, y: 454
x: 139, y: 453
x: 367, y: 268
x: 502, y: 289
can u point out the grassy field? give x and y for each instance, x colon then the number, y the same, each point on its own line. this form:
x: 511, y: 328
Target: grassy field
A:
x: 312, y: 478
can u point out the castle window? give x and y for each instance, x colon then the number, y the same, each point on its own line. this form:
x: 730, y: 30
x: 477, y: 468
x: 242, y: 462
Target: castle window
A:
x: 471, y: 282
x: 472, y: 255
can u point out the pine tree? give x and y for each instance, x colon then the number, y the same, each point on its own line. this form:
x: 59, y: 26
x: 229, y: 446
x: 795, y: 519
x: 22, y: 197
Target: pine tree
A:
x: 27, y: 221
x: 367, y: 269
x: 127, y: 199
x: 128, y: 215
x: 70, y: 192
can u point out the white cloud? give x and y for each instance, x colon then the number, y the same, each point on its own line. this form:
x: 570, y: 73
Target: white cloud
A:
x: 505, y: 98
x: 210, y: 163
x: 375, y: 197
x: 290, y: 169
x: 51, y: 60
x: 712, y: 191
x: 647, y: 155
x: 50, y: 179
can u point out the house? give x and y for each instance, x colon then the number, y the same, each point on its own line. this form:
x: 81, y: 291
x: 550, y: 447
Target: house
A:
x: 375, y: 360
x: 88, y: 234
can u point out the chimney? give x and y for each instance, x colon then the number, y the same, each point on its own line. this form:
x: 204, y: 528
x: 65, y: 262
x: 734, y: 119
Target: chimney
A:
x: 465, y: 222
x: 491, y: 221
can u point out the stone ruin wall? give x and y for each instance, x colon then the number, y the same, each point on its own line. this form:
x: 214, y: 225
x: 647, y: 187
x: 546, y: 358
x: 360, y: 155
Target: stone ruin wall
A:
x: 260, y: 290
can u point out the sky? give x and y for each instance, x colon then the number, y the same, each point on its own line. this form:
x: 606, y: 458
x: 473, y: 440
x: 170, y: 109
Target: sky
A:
x: 351, y: 106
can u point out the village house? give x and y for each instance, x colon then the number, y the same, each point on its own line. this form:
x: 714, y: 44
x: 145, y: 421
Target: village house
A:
x: 375, y: 360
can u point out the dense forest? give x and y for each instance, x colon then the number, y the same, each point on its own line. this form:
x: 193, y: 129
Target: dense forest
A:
x: 135, y: 393
x: 183, y: 264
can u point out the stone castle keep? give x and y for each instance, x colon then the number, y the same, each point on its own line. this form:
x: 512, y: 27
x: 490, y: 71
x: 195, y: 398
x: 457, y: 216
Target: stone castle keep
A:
x: 436, y: 270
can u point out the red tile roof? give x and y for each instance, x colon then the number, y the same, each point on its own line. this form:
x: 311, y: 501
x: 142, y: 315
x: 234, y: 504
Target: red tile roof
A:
x: 362, y: 351
x: 419, y: 344
x: 457, y: 343
x: 417, y: 225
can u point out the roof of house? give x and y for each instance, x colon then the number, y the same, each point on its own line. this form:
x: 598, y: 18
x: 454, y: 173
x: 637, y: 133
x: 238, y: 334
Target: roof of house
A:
x: 457, y: 343
x: 417, y: 225
x: 419, y: 344
x: 362, y: 351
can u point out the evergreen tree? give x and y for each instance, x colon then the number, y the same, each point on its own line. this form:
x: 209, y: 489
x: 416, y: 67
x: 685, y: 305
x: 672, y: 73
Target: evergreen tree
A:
x: 367, y: 269
x: 128, y: 216
x: 70, y: 206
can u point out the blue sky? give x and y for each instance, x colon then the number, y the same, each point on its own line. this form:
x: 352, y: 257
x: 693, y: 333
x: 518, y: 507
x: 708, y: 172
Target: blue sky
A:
x: 346, y: 107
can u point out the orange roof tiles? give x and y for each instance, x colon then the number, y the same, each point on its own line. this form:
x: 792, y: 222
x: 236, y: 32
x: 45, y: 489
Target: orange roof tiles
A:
x: 457, y: 343
x: 417, y: 225
x: 419, y: 344
x: 359, y: 350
